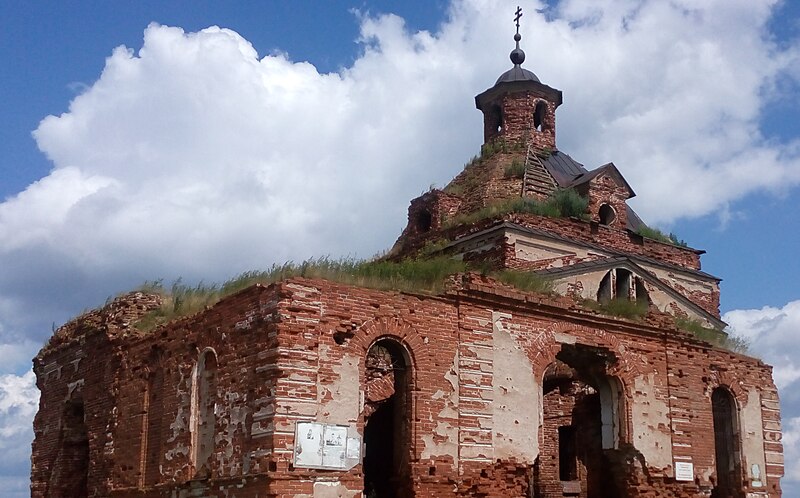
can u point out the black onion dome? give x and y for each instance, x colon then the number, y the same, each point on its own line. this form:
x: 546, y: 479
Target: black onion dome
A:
x: 516, y: 73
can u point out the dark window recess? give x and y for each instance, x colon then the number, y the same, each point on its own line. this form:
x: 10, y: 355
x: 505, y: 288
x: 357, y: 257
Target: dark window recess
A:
x: 726, y: 447
x: 424, y: 220
x: 539, y: 116
x: 623, y: 284
x: 607, y: 214
x: 567, y: 453
x: 604, y: 294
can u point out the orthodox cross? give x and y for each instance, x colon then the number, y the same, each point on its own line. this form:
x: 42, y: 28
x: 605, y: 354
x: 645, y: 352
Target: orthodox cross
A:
x: 517, y: 15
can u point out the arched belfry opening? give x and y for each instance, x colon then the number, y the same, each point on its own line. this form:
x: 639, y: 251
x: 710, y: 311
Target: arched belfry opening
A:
x: 726, y: 444
x: 388, y: 419
x: 540, y: 116
x: 203, y: 412
x: 583, y: 422
x: 70, y: 470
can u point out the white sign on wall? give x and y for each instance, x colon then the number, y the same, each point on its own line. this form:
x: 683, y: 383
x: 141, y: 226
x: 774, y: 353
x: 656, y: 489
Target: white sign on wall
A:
x: 326, y: 446
x: 684, y: 471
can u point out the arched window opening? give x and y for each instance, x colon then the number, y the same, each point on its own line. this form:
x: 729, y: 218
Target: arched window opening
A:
x: 726, y: 443
x: 70, y: 471
x: 619, y: 283
x: 611, y: 410
x: 387, y: 411
x: 641, y: 293
x: 203, y: 413
x: 493, y: 122
x: 623, y: 284
x: 424, y: 221
x: 607, y: 214
x: 604, y: 292
x: 540, y: 116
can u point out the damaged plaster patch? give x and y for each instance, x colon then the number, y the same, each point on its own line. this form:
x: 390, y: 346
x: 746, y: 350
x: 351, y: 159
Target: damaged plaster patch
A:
x: 333, y: 489
x: 340, y: 400
x: 444, y: 440
x: 752, y: 430
x: 651, y: 424
x: 516, y: 397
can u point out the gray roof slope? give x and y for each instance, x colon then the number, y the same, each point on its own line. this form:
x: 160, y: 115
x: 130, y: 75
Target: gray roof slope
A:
x: 566, y: 171
x: 563, y: 168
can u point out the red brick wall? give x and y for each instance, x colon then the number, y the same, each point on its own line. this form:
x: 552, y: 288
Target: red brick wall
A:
x: 280, y: 355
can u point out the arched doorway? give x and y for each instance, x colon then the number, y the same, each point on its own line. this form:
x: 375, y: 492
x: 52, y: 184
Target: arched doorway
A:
x: 582, y: 423
x: 726, y: 444
x: 387, y: 413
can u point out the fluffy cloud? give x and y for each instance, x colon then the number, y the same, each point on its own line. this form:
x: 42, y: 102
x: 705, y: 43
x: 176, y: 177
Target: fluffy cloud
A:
x: 196, y: 157
x: 772, y: 333
x: 791, y: 444
x: 19, y: 399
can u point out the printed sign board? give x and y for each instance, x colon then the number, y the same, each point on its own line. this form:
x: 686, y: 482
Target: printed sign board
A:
x: 326, y: 446
x: 684, y: 471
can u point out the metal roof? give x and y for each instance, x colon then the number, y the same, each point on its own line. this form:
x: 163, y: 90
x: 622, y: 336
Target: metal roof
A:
x: 563, y: 168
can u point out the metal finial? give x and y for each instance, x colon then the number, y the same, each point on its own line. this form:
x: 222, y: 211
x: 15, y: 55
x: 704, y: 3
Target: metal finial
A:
x: 517, y: 55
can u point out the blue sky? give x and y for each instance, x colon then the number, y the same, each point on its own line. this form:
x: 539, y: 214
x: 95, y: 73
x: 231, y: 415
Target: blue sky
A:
x: 204, y: 155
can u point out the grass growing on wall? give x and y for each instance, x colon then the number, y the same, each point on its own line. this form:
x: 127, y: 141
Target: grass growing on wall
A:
x: 423, y: 275
x: 620, y: 308
x: 713, y: 336
x: 525, y: 281
x: 563, y: 203
x: 656, y: 234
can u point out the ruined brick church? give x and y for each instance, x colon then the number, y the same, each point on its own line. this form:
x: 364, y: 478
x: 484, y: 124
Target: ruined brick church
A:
x: 313, y: 388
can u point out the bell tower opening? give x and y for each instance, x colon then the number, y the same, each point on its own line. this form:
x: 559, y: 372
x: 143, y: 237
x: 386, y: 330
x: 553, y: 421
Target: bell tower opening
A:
x: 539, y: 116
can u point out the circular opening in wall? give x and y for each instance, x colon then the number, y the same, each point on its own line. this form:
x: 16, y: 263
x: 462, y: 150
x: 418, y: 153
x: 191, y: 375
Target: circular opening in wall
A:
x: 607, y: 214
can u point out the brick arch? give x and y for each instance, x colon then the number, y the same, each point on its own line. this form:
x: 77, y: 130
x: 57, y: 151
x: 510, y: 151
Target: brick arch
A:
x: 546, y: 347
x: 727, y: 381
x: 391, y: 327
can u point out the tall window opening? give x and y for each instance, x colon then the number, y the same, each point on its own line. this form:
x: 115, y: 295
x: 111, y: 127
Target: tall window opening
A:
x: 610, y: 392
x: 726, y: 446
x: 623, y: 284
x: 493, y: 123
x: 387, y: 410
x: 70, y: 470
x: 539, y: 116
x: 203, y: 416
x: 567, y: 453
x: 152, y: 430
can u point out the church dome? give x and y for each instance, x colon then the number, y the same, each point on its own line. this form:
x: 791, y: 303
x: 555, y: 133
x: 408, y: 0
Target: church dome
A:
x: 516, y: 73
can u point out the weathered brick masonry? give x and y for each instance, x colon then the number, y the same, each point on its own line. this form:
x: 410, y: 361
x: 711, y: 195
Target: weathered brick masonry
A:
x: 311, y: 388
x: 479, y: 356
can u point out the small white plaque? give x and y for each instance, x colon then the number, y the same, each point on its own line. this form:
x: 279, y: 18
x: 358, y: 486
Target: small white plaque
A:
x: 684, y: 471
